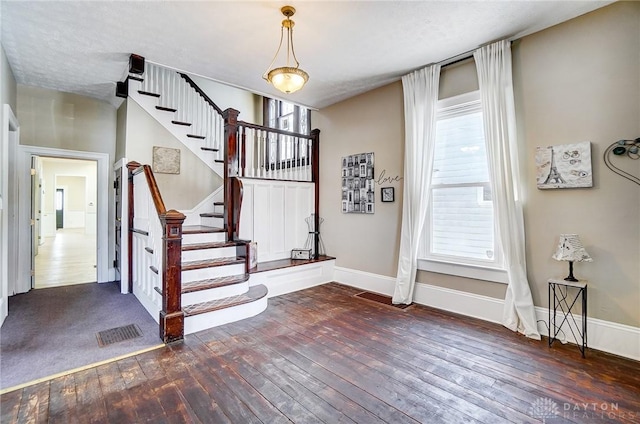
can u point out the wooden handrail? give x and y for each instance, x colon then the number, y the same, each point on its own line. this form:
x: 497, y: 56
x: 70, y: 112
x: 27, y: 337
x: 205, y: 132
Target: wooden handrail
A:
x: 189, y: 81
x: 171, y: 315
x: 273, y: 130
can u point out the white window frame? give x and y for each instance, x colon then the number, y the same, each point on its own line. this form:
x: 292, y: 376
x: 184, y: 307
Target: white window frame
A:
x: 488, y: 270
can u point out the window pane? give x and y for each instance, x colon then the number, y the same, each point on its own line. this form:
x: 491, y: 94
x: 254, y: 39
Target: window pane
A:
x: 271, y: 119
x: 286, y: 108
x: 286, y: 123
x: 304, y: 121
x: 460, y: 153
x: 462, y: 223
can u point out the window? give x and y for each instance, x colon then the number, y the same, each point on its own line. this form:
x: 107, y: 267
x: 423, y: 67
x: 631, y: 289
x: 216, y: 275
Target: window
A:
x: 287, y: 117
x: 460, y: 232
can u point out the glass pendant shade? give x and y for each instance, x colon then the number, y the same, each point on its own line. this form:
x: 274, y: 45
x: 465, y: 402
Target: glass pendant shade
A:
x: 287, y: 79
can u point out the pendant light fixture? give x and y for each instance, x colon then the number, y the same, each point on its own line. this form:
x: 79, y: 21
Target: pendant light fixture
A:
x: 287, y: 79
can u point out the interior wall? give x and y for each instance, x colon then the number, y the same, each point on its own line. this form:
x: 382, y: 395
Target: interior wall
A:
x: 577, y: 81
x: 371, y: 122
x: 580, y: 81
x: 8, y: 86
x: 81, y: 200
x: 179, y: 191
x: 55, y: 119
x: 74, y: 200
x: 58, y: 120
x: 121, y: 131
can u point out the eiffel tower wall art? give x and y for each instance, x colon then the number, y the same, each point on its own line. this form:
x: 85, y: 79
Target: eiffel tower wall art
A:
x: 564, y: 166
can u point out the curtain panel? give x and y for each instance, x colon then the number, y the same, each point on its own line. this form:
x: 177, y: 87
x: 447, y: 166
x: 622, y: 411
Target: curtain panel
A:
x: 420, y: 90
x: 493, y: 63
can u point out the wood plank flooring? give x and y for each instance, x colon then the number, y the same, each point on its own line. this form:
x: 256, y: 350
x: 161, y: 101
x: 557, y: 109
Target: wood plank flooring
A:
x: 323, y: 356
x: 68, y: 258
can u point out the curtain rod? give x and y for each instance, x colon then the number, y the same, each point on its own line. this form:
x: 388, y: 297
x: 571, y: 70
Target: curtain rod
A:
x: 466, y: 55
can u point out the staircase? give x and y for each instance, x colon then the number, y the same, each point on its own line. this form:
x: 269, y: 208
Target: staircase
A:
x: 214, y: 281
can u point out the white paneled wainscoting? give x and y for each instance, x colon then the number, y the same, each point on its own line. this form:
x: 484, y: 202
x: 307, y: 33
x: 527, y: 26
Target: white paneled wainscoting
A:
x: 273, y: 215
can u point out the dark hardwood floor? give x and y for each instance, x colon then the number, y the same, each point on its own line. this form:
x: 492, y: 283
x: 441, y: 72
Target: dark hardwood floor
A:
x: 322, y: 355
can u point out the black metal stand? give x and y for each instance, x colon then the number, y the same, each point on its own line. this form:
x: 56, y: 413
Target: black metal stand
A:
x: 559, y: 303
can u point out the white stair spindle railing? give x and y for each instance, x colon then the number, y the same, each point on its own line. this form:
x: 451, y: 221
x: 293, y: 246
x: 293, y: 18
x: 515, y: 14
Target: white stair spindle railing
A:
x: 257, y: 161
x: 220, y: 136
x: 251, y: 153
x: 263, y: 156
x: 207, y: 128
x: 310, y: 158
x: 239, y: 133
x: 248, y: 152
x: 179, y: 96
x: 163, y: 87
x: 296, y: 158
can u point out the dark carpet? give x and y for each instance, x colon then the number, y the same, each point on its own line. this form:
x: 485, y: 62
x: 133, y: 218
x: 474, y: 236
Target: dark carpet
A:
x: 52, y: 330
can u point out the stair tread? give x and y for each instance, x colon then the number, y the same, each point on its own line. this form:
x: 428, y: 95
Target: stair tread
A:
x: 166, y: 109
x: 198, y: 229
x: 255, y: 293
x: 147, y: 93
x: 201, y: 137
x: 211, y: 245
x: 210, y: 263
x: 212, y: 215
x: 209, y: 149
x: 212, y: 283
x: 186, y: 124
x: 218, y: 203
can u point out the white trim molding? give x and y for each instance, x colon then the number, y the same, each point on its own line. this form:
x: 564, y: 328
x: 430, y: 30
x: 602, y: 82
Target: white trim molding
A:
x: 611, y: 337
x: 104, y: 209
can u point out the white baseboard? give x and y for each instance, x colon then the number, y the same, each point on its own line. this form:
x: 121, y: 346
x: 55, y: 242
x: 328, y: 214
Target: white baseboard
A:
x: 365, y: 280
x: 619, y: 339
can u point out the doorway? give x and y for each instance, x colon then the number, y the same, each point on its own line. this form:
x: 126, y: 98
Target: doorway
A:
x: 59, y: 208
x: 65, y: 248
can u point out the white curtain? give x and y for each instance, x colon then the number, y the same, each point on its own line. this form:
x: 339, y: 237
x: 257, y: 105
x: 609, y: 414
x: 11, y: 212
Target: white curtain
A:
x: 420, y: 101
x: 493, y: 63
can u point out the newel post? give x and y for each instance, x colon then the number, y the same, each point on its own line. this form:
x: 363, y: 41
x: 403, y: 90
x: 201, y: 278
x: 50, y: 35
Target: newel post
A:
x: 315, y: 173
x: 230, y: 166
x: 131, y: 167
x: 171, y: 315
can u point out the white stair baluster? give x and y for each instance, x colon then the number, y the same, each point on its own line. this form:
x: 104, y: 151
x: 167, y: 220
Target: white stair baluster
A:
x: 240, y: 131
x: 250, y: 165
x: 296, y: 158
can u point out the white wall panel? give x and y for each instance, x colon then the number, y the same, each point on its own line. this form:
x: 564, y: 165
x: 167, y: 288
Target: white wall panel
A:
x: 260, y: 215
x: 273, y: 215
x: 277, y: 231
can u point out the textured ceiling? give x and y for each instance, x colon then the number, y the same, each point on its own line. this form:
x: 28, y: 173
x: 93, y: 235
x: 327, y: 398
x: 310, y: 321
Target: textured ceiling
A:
x: 347, y: 47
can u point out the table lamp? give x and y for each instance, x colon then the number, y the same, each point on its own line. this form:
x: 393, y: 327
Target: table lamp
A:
x: 570, y: 249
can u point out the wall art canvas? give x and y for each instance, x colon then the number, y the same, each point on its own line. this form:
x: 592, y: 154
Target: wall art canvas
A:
x: 564, y: 166
x: 358, y: 184
x: 166, y: 160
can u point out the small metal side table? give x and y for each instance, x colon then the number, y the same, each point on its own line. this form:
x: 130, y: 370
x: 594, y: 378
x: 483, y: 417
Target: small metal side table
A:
x: 559, y: 298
